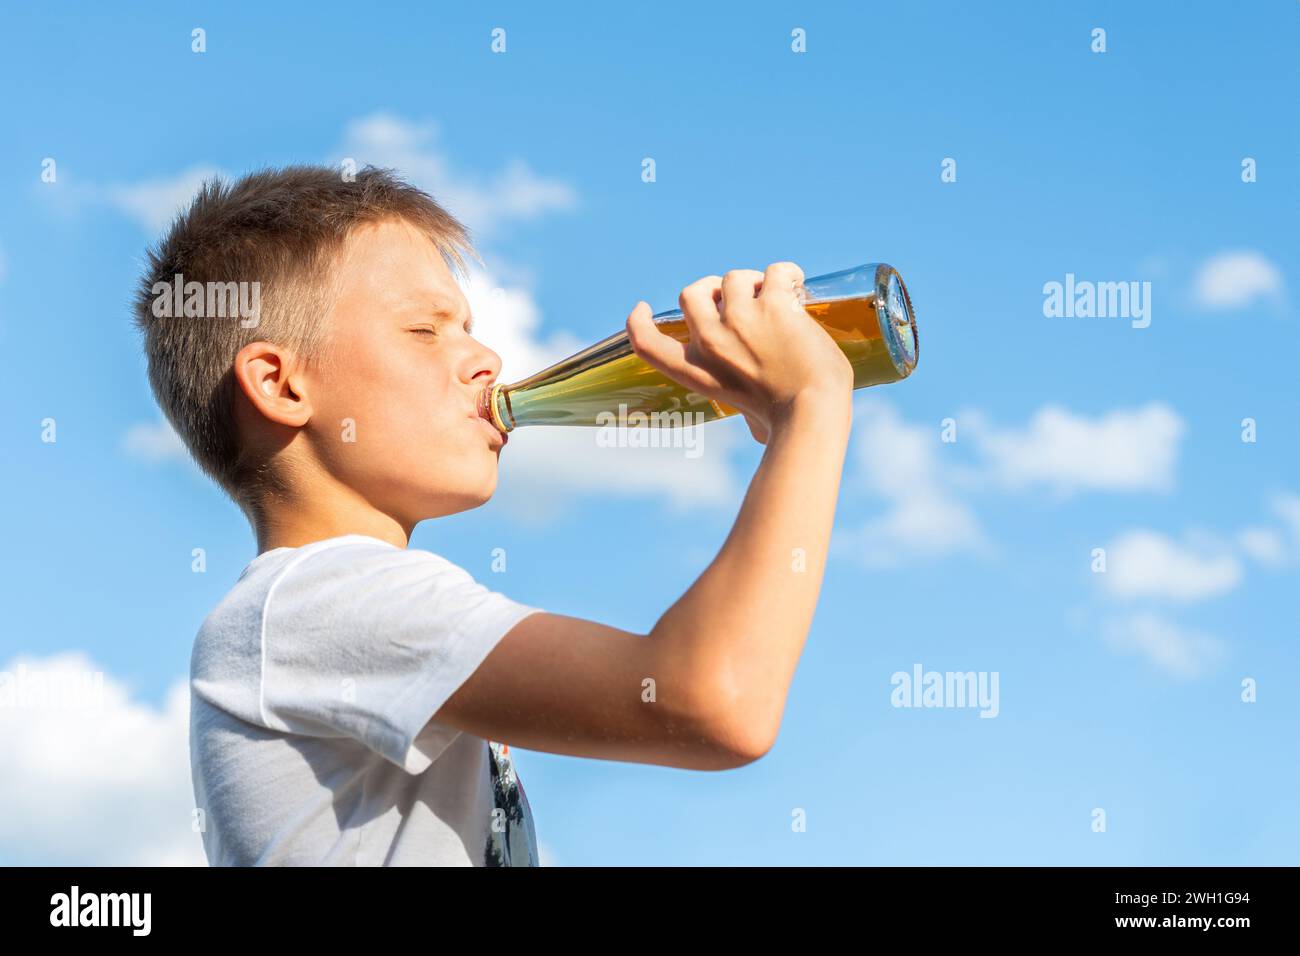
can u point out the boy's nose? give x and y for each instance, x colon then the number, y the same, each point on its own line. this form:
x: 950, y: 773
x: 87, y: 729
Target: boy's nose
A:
x: 486, y: 366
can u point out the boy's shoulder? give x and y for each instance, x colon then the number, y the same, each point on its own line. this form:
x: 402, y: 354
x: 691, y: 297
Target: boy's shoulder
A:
x: 290, y: 597
x: 322, y: 573
x: 316, y: 570
x: 351, y: 637
x: 352, y: 581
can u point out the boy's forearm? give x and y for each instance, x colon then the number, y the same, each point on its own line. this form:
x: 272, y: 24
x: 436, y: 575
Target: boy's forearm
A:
x: 745, y: 620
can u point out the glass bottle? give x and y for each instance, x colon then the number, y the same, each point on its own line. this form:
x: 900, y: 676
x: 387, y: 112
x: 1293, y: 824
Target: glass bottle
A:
x: 866, y: 310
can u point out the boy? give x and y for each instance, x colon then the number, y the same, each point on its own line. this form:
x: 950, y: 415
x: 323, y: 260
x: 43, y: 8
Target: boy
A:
x: 345, y: 691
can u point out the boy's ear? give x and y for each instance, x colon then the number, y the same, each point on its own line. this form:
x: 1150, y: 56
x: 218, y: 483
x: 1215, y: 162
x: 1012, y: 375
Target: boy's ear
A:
x: 271, y: 380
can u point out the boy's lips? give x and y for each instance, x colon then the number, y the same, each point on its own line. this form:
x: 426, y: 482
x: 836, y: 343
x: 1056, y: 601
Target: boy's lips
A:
x: 481, y: 414
x: 492, y: 430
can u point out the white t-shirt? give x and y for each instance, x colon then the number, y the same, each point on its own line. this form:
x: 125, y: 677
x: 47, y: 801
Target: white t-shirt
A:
x: 314, y: 682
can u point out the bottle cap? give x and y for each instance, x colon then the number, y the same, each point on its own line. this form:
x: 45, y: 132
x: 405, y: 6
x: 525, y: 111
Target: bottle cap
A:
x: 897, y: 323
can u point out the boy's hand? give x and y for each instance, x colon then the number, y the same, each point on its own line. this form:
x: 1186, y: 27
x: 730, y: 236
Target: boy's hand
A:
x: 752, y: 346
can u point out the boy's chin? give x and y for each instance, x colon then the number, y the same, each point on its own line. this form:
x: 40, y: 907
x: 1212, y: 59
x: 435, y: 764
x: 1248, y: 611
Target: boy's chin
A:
x: 440, y: 502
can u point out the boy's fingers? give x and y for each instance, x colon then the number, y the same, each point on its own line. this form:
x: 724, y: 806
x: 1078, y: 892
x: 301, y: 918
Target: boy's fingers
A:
x: 700, y: 302
x: 781, y: 279
x: 739, y: 286
x: 702, y: 294
x: 665, y: 353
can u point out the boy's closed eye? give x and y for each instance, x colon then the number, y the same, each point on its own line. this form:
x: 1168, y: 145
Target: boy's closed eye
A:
x: 432, y: 330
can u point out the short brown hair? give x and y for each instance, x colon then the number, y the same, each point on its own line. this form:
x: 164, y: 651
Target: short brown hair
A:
x: 280, y: 229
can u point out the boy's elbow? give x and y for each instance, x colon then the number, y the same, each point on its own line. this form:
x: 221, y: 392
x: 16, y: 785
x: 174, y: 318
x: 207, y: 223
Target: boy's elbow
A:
x: 740, y: 730
x: 739, y: 746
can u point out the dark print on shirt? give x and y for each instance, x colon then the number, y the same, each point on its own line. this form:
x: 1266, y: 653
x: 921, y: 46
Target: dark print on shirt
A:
x: 511, y: 840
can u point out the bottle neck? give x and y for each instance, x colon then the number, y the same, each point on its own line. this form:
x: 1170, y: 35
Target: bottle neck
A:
x: 496, y: 403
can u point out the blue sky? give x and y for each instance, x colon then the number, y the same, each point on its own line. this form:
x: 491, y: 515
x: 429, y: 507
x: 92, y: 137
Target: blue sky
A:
x: 1120, y: 691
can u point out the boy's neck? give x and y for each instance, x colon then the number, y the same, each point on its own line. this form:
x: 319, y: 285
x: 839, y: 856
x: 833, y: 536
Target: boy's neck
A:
x: 293, y: 523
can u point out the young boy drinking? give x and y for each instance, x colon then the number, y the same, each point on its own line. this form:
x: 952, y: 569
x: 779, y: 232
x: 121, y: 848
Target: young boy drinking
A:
x: 348, y: 692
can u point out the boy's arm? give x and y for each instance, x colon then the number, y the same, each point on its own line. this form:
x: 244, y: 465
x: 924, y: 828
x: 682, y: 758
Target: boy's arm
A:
x: 722, y: 657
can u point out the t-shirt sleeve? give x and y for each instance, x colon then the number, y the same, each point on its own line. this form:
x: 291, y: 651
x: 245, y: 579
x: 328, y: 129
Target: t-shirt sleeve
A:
x: 368, y: 641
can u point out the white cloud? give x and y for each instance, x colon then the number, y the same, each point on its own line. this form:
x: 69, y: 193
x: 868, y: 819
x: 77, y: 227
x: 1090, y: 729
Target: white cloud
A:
x: 154, y: 442
x: 1287, y: 507
x: 153, y: 203
x: 545, y: 468
x: 1123, y: 450
x: 917, y: 525
x: 513, y: 193
x: 898, y: 462
x: 1175, y: 651
x: 1234, y: 280
x: 928, y: 514
x: 1146, y: 564
x: 99, y: 780
x: 1272, y: 547
x: 1264, y: 545
x: 484, y: 203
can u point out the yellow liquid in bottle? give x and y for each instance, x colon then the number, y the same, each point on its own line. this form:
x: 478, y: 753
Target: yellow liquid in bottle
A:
x: 608, y: 380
